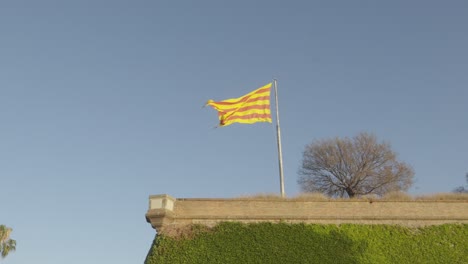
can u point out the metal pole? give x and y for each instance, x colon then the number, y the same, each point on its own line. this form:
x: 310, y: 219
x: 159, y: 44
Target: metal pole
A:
x: 278, y: 139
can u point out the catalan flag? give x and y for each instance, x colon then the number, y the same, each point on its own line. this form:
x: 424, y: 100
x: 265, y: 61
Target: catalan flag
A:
x: 248, y: 109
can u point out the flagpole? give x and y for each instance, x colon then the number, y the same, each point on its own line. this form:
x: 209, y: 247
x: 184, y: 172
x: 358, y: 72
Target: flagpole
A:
x: 278, y: 139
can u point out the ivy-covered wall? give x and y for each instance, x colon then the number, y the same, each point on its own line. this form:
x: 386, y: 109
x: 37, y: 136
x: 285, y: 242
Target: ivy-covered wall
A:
x: 311, y: 243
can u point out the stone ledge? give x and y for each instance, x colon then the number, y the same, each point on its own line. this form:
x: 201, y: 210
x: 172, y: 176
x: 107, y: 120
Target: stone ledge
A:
x: 166, y: 212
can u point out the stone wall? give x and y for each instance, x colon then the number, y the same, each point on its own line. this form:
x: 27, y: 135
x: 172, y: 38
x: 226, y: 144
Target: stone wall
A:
x: 167, y: 214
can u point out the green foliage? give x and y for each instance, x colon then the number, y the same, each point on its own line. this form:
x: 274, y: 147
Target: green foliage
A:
x: 301, y: 243
x: 6, y: 243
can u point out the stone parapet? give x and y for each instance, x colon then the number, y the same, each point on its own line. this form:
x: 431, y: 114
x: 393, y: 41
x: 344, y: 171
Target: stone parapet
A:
x: 167, y: 213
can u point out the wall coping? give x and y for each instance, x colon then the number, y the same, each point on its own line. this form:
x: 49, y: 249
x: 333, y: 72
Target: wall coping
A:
x: 166, y: 213
x: 318, y: 201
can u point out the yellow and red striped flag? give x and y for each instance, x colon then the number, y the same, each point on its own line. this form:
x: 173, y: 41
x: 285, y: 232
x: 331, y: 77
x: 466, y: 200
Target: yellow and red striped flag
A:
x: 248, y: 109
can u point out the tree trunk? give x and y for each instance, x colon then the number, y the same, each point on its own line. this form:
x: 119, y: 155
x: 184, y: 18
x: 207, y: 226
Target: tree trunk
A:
x: 350, y: 192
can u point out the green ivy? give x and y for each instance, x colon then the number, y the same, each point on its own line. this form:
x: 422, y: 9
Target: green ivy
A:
x: 300, y: 243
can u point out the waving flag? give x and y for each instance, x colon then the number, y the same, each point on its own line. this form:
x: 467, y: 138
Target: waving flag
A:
x: 248, y: 109
x: 252, y: 108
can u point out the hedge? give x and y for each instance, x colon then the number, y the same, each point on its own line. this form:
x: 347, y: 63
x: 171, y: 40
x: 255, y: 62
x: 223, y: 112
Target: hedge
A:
x: 301, y: 243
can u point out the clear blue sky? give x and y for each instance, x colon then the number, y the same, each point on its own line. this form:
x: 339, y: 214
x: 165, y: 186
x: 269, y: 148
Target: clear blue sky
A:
x: 100, y: 106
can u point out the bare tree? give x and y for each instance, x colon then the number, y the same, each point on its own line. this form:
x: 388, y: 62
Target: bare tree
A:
x: 462, y: 189
x: 341, y: 167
